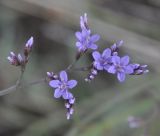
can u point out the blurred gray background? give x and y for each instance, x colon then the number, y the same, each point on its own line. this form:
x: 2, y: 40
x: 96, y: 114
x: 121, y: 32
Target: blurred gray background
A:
x: 103, y: 106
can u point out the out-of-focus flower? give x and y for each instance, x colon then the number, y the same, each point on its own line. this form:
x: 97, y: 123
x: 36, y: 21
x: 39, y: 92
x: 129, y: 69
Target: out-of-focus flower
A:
x: 121, y: 67
x: 102, y: 62
x: 62, y: 86
x: 134, y: 122
x: 86, y: 40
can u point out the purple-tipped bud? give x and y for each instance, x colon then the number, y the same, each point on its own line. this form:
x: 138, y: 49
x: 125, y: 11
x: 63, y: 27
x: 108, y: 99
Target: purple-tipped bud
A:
x: 12, y: 54
x: 28, y: 47
x: 20, y: 58
x: 115, y: 47
x: 13, y: 59
x: 30, y: 42
x: 52, y: 76
x: 68, y: 115
x: 71, y: 111
x: 94, y: 72
x: 72, y: 100
x: 91, y: 77
x: 67, y: 105
x: 10, y: 59
x: 87, y: 80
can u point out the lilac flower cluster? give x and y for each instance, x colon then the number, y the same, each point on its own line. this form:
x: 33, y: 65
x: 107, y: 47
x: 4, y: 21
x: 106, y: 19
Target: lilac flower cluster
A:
x: 62, y: 86
x: 108, y: 61
x: 85, y: 39
x: 20, y: 60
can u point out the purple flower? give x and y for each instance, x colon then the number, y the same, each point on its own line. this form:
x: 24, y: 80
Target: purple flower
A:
x: 62, y: 86
x: 102, y: 62
x: 86, y: 41
x: 120, y: 67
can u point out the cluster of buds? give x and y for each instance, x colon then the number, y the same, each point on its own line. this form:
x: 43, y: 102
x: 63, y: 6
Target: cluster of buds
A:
x: 84, y: 22
x: 52, y: 76
x: 91, y: 75
x: 15, y: 60
x: 69, y: 106
x: 20, y: 60
x: 139, y: 69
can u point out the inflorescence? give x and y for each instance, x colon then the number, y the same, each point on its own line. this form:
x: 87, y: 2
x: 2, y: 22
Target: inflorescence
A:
x: 108, y: 61
x: 21, y: 60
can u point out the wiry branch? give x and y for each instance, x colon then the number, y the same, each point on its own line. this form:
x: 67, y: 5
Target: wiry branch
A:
x: 20, y: 86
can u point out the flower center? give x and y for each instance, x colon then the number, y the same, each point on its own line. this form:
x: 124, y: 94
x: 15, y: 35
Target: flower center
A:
x: 119, y: 68
x: 103, y: 61
x: 63, y: 86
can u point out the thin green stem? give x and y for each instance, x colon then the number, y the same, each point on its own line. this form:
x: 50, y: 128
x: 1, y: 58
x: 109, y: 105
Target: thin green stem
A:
x: 79, y: 54
x: 19, y: 86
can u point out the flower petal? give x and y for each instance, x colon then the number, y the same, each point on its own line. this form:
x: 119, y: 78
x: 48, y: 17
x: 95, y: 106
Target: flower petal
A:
x: 106, y: 53
x: 116, y: 60
x: 67, y: 95
x: 121, y: 76
x: 96, y: 55
x: 107, y: 66
x: 112, y: 69
x: 129, y: 69
x: 98, y: 66
x: 125, y: 60
x: 63, y: 76
x: 78, y: 35
x: 92, y: 46
x: 54, y: 83
x: 94, y: 38
x: 86, y: 32
x: 78, y: 44
x: 58, y: 93
x: 72, y: 83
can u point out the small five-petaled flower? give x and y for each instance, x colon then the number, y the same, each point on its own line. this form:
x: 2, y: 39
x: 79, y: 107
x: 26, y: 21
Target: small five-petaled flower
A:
x: 62, y: 86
